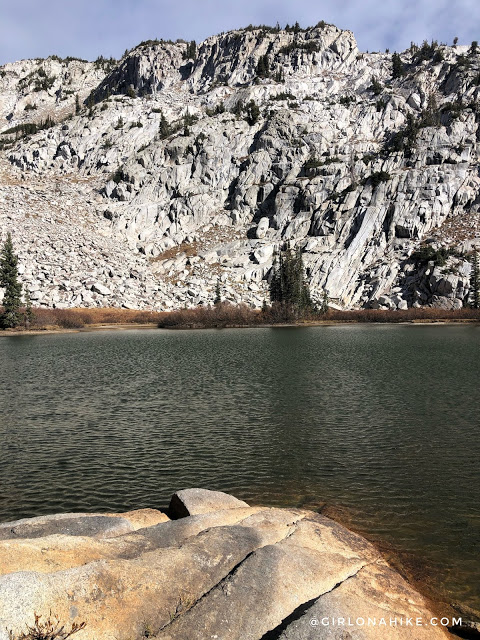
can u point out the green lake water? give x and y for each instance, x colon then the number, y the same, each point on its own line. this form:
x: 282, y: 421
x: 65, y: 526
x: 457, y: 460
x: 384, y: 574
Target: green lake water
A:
x: 382, y: 420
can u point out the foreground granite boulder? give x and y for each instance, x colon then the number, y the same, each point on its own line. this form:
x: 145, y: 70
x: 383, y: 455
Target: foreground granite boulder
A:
x: 228, y: 572
x: 191, y: 502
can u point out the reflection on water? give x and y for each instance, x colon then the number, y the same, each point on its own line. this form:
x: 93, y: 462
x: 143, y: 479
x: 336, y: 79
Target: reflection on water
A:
x: 383, y: 420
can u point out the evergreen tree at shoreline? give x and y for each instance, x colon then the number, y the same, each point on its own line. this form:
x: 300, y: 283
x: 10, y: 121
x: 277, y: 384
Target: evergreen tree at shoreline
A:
x: 10, y: 317
x: 218, y: 294
x: 475, y: 282
x: 288, y: 285
x: 325, y: 301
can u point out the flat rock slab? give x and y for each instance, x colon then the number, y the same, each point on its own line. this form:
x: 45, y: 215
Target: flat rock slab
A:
x: 191, y: 502
x: 117, y: 596
x: 103, y: 525
x: 56, y: 552
x: 228, y: 573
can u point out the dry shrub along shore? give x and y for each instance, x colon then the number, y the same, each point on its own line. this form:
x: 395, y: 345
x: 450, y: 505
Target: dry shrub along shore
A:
x: 47, y: 319
x: 221, y: 315
x: 425, y: 314
x: 229, y: 315
x: 226, y: 315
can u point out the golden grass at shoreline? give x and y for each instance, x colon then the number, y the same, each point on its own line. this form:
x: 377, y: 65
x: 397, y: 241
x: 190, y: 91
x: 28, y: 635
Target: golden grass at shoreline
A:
x: 226, y: 315
x: 52, y: 321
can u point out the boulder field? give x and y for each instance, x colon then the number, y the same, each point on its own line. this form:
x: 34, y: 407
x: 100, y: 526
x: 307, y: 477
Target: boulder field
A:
x: 143, y: 182
x: 213, y: 568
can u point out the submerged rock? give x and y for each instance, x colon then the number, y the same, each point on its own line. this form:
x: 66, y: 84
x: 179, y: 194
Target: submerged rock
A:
x: 231, y: 572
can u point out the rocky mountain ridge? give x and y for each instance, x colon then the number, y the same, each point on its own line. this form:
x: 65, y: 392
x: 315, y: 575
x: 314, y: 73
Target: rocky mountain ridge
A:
x: 180, y: 166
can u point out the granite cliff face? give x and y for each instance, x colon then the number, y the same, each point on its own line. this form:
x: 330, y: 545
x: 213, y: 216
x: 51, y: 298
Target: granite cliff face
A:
x: 187, y: 165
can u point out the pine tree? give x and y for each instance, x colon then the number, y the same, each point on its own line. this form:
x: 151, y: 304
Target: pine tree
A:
x: 410, y: 134
x: 238, y: 108
x: 475, y: 282
x: 288, y: 285
x: 274, y: 286
x: 398, y: 68
x: 77, y: 105
x: 376, y: 87
x: 431, y: 115
x: 9, y: 281
x: 325, y: 301
x: 252, y: 112
x: 218, y: 294
x: 164, y: 128
x: 263, y: 67
x: 190, y: 52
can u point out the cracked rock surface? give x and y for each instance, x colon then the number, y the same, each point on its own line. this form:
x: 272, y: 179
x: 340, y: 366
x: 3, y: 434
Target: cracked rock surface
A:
x: 232, y: 572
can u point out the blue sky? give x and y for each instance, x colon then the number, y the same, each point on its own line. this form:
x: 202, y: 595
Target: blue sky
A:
x: 88, y: 28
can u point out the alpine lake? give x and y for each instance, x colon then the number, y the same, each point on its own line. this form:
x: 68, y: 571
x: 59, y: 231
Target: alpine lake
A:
x: 377, y: 425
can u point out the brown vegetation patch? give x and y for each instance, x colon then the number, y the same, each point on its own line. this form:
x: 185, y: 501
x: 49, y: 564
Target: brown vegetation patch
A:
x: 45, y: 319
x: 221, y: 315
x: 424, y: 314
x: 228, y: 315
x: 189, y: 249
x: 463, y: 226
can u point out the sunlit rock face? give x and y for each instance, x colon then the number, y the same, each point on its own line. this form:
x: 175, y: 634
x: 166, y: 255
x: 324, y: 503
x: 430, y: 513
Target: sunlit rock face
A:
x: 221, y: 569
x: 180, y: 166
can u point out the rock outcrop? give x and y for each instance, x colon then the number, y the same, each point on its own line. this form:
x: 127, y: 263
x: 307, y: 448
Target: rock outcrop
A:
x: 191, y: 165
x: 230, y: 572
x: 192, y: 502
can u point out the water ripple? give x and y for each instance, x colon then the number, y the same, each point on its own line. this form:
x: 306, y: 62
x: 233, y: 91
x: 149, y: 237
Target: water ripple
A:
x: 382, y: 420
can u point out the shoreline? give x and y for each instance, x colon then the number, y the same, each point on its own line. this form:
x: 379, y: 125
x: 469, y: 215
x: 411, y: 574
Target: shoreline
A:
x: 91, y: 328
x: 409, y: 565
